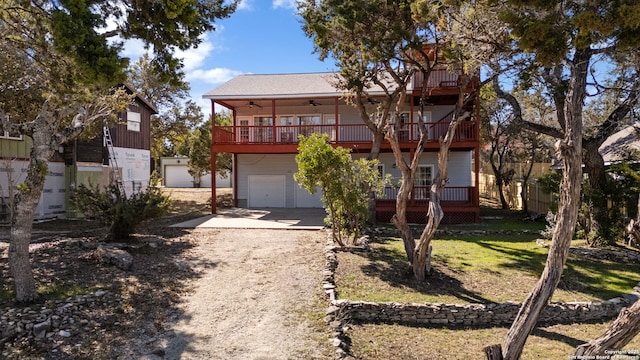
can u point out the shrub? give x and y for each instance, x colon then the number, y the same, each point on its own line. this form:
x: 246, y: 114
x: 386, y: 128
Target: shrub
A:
x: 120, y: 213
x: 345, y: 184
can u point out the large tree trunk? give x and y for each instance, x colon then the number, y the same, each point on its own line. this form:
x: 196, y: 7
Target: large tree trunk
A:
x: 618, y: 334
x: 399, y: 219
x: 524, y: 193
x: 597, y: 175
x: 570, y: 149
x: 503, y: 201
x: 378, y: 137
x: 20, y: 237
x: 633, y: 228
x: 422, y: 254
x: 27, y: 200
x: 408, y: 171
x: 48, y: 132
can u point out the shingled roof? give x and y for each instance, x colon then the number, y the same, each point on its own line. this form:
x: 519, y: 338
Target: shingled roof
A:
x: 620, y: 144
x: 252, y: 86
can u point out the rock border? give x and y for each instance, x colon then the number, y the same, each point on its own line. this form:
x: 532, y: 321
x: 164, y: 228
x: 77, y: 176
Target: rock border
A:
x: 55, y: 321
x: 342, y: 311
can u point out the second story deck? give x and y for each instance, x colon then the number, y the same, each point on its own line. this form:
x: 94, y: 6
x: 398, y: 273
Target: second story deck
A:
x: 271, y: 112
x: 284, y: 138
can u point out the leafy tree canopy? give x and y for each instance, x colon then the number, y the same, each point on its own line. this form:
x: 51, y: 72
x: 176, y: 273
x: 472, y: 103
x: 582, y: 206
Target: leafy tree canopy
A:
x: 77, y: 29
x: 550, y: 29
x: 198, y: 148
x: 177, y: 114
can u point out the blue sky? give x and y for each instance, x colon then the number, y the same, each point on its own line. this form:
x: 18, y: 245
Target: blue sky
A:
x: 260, y: 37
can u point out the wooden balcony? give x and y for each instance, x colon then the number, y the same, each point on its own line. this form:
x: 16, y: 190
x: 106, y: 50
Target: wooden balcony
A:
x: 461, y: 204
x: 441, y: 82
x: 244, y: 138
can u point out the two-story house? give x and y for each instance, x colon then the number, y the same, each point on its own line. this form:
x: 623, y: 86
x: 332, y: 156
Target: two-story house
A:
x: 271, y: 111
x: 83, y: 161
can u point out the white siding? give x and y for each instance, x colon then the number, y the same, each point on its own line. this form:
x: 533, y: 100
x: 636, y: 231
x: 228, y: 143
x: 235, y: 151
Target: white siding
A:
x: 52, y: 200
x: 271, y: 164
x: 460, y: 166
x: 460, y: 171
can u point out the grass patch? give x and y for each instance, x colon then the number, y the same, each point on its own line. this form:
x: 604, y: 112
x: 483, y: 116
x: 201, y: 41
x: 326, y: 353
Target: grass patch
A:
x: 381, y: 341
x: 7, y: 294
x: 476, y: 269
x: 57, y: 292
x: 469, y: 269
x: 500, y: 223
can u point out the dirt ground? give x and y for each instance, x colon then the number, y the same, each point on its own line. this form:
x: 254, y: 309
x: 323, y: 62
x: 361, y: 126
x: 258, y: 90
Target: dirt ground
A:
x: 254, y: 288
x: 197, y: 294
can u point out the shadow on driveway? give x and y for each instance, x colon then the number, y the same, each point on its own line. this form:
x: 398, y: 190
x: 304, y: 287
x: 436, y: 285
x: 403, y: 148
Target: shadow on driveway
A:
x: 272, y: 218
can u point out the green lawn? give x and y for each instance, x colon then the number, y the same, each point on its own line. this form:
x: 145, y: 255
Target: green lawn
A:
x: 470, y: 268
x: 476, y: 268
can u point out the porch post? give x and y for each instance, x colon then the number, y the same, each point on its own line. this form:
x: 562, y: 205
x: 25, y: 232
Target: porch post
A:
x: 235, y: 132
x: 234, y: 186
x: 213, y: 158
x: 273, y: 120
x: 336, y: 120
x: 413, y: 186
x: 412, y: 121
x: 477, y: 159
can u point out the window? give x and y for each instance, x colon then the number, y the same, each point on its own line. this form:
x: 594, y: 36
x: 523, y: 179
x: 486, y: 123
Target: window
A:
x: 307, y: 124
x: 244, y: 130
x: 422, y: 182
x: 287, y: 131
x: 330, y: 120
x: 263, y: 121
x: 133, y: 121
x: 309, y: 120
x: 403, y: 128
x: 7, y: 135
x: 263, y: 134
x: 381, y: 170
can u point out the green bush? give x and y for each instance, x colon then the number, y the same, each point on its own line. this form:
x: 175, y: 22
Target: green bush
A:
x: 345, y: 184
x: 120, y: 213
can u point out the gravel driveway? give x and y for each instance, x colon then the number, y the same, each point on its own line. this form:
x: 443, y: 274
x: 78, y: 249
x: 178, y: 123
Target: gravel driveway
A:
x: 258, y: 297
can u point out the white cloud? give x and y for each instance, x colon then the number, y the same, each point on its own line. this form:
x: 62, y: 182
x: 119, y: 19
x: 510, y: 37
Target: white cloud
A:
x: 195, y: 57
x: 212, y: 76
x: 287, y: 4
x: 245, y: 5
x: 134, y: 49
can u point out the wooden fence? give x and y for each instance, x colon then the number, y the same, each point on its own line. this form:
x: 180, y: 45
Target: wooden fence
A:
x: 537, y: 200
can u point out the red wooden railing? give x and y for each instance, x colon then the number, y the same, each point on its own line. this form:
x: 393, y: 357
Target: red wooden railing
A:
x: 438, y: 78
x: 458, y: 195
x: 341, y: 134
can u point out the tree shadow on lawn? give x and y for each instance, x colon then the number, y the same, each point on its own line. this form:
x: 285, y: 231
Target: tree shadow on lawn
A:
x: 392, y: 267
x: 598, y: 278
x: 571, y: 341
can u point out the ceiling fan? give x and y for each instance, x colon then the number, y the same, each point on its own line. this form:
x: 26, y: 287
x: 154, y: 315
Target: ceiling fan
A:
x: 252, y: 104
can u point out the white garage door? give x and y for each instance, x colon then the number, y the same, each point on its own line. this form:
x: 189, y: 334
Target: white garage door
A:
x: 177, y: 176
x: 267, y: 191
x: 306, y: 200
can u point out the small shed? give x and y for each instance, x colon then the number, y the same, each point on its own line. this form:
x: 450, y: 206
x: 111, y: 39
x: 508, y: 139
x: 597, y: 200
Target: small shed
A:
x: 174, y: 173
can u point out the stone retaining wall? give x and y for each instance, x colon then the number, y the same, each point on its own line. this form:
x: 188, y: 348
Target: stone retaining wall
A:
x: 340, y: 312
x: 484, y: 315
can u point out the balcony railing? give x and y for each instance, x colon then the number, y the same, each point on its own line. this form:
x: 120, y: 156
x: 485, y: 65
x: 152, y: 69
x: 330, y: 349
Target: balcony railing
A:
x: 340, y: 134
x: 458, y: 195
x: 438, y: 78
